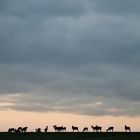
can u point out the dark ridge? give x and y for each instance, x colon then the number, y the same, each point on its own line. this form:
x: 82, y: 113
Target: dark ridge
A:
x: 70, y: 136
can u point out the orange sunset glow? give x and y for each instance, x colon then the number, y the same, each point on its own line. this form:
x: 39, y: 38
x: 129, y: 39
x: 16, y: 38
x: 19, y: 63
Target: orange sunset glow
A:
x: 34, y: 120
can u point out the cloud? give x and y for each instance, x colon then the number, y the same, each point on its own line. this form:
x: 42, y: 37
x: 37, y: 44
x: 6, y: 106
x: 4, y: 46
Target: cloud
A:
x: 70, y: 55
x: 35, y: 9
x: 122, y: 8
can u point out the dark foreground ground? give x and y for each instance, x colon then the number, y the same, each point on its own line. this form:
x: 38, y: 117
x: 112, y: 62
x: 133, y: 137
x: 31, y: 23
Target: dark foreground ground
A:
x: 70, y: 136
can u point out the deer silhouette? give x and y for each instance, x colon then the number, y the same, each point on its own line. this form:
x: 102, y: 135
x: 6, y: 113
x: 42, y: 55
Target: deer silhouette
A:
x: 11, y: 130
x: 46, y: 129
x: 75, y: 128
x: 110, y: 129
x: 19, y: 129
x: 24, y: 129
x: 57, y: 128
x: 96, y: 128
x: 85, y: 129
x: 127, y: 128
x: 63, y: 129
x: 38, y: 130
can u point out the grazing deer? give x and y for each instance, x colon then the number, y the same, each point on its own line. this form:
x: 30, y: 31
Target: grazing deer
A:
x: 85, y: 129
x: 19, y: 129
x: 110, y: 129
x: 38, y: 130
x: 24, y: 129
x: 127, y: 128
x: 46, y: 129
x: 11, y: 130
x: 75, y: 128
x: 96, y: 128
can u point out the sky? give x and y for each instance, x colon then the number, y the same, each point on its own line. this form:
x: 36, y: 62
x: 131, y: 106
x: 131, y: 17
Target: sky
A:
x: 66, y: 58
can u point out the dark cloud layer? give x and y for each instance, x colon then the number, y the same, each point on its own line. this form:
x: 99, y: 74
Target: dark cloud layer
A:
x: 120, y: 7
x: 70, y: 56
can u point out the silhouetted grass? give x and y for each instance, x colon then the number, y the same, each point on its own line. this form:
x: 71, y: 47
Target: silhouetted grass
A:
x: 70, y: 136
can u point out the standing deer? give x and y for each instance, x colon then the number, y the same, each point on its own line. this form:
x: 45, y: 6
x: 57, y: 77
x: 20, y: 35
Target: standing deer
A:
x: 127, y: 128
x: 38, y: 130
x: 75, y: 128
x: 96, y: 128
x: 63, y: 128
x: 46, y: 129
x: 57, y: 128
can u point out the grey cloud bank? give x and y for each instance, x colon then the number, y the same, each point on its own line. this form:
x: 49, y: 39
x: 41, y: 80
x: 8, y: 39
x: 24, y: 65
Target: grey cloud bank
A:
x: 77, y: 56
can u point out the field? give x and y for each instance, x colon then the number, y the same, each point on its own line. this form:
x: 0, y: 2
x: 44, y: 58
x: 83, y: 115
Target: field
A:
x: 70, y: 136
